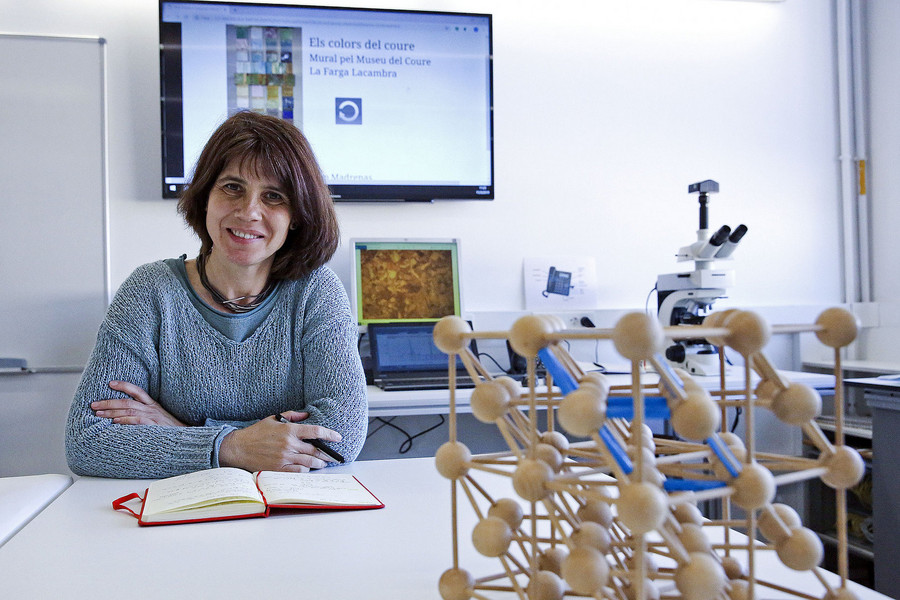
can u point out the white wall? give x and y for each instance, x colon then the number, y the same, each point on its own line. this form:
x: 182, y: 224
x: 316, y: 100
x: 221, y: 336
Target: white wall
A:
x: 883, y: 22
x: 605, y: 112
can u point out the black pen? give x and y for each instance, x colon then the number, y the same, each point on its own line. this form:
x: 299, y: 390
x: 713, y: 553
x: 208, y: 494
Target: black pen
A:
x: 316, y: 442
x: 321, y: 446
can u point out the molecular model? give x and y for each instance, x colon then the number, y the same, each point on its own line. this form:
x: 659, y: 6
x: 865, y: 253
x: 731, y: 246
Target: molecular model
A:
x: 616, y: 515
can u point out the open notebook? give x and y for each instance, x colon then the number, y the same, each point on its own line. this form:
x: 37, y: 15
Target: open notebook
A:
x: 404, y: 357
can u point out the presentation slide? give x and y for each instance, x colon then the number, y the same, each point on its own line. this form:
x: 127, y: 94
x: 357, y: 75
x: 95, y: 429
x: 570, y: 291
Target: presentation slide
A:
x: 383, y: 97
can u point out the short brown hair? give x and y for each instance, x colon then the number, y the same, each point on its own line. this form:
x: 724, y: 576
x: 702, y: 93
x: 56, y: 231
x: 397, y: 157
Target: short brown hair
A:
x: 278, y: 148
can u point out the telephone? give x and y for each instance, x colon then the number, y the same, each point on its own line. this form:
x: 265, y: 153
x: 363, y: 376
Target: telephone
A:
x: 558, y: 282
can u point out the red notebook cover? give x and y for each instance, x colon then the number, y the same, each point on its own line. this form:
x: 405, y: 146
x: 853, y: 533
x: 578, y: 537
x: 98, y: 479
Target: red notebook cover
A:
x: 121, y: 504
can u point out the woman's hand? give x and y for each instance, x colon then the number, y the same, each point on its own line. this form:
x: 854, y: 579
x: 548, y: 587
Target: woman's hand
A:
x: 269, y: 445
x: 139, y: 409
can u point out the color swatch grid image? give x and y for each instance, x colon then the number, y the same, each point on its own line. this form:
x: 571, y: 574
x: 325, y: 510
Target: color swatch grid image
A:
x: 261, y: 69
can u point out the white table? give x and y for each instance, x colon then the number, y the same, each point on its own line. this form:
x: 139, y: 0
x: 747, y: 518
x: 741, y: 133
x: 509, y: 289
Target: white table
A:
x: 22, y: 498
x: 430, y: 402
x: 79, y: 547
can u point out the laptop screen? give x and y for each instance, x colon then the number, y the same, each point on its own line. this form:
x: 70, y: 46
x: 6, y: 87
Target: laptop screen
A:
x: 406, y: 348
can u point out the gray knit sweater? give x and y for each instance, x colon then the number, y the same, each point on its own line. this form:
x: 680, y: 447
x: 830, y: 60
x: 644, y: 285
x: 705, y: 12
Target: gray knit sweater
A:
x: 303, y: 356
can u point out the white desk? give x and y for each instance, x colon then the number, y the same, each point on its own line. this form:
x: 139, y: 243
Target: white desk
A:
x: 80, y: 548
x: 22, y: 498
x: 430, y: 402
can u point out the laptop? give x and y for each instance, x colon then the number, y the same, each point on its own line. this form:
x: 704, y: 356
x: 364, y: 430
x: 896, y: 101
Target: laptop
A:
x: 404, y: 357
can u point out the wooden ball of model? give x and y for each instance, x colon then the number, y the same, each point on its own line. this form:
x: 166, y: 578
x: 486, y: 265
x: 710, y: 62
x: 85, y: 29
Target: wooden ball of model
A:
x: 776, y: 522
x: 797, y: 405
x: 596, y: 511
x: 754, y: 487
x: 513, y: 387
x: 665, y: 392
x: 585, y: 570
x: 509, y: 510
x: 596, y: 379
x: 545, y: 585
x: 767, y: 389
x: 736, y: 445
x: 452, y: 460
x: 649, y: 472
x: 687, y: 380
x: 555, y: 322
x: 492, y: 536
x: 555, y: 439
x: 651, y: 592
x: 700, y: 578
x: 717, y: 319
x: 450, y: 335
x: 693, y: 539
x: 801, y: 550
x: 638, y: 336
x: 582, y: 411
x: 643, y: 437
x: 489, y: 401
x: 641, y: 506
x: 456, y: 584
x: 739, y: 589
x: 591, y: 535
x: 719, y: 468
x: 732, y: 440
x: 748, y: 332
x: 550, y: 455
x: 552, y: 557
x: 647, y: 455
x: 647, y: 438
x: 651, y: 569
x: 530, y: 479
x: 733, y: 568
x: 840, y: 594
x: 845, y: 468
x: 687, y: 513
x: 696, y: 417
x: 529, y: 334
x: 839, y: 327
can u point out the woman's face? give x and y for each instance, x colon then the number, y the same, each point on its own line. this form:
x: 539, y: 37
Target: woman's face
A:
x: 248, y: 215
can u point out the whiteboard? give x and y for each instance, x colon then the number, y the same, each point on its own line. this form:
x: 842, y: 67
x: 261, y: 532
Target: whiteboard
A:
x: 53, y: 199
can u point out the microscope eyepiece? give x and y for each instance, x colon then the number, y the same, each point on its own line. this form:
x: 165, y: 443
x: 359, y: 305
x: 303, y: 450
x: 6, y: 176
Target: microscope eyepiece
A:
x: 728, y: 247
x: 715, y: 242
x: 737, y: 234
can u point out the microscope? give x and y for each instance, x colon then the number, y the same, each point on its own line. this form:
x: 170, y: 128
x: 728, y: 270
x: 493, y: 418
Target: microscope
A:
x: 686, y: 298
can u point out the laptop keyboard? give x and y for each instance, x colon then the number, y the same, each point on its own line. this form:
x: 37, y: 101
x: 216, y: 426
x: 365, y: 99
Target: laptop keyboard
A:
x: 422, y: 383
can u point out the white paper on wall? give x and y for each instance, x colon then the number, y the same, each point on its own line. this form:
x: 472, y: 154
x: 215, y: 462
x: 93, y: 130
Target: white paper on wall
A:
x: 560, y: 283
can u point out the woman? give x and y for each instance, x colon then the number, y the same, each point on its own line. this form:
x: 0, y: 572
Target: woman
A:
x: 197, y: 359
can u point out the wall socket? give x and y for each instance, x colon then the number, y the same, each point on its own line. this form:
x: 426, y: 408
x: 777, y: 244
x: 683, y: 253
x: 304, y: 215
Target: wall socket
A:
x: 581, y: 321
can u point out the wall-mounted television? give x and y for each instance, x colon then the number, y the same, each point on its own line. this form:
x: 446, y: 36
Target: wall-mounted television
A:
x: 397, y: 104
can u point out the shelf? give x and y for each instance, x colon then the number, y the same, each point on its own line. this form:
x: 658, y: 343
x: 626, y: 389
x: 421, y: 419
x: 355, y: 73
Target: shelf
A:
x: 860, y: 366
x: 854, y: 546
x: 860, y: 427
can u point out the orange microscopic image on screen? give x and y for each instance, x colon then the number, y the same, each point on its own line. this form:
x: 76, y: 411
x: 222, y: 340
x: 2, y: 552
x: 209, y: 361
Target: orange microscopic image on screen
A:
x: 407, y: 284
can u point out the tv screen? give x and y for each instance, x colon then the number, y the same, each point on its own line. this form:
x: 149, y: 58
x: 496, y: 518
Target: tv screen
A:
x: 396, y: 104
x: 404, y: 280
